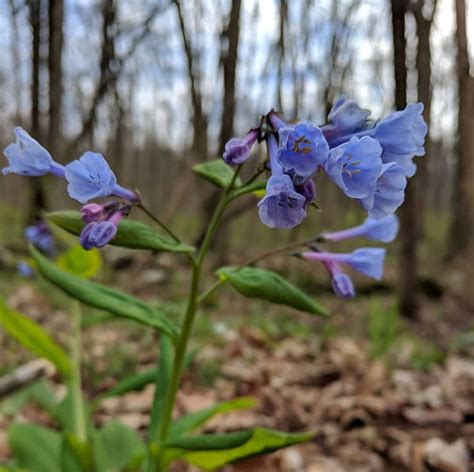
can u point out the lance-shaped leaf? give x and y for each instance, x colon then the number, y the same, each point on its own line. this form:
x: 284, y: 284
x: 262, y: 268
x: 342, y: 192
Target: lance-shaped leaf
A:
x: 104, y: 298
x: 33, y: 337
x: 267, y: 285
x: 213, y: 451
x: 130, y: 234
x: 255, y: 187
x: 217, y: 172
x: 193, y: 420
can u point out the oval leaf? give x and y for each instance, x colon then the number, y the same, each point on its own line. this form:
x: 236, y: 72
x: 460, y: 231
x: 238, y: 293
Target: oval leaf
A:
x: 78, y: 261
x: 104, y: 298
x: 33, y: 337
x: 130, y: 234
x: 213, y: 451
x: 217, y: 172
x: 267, y: 285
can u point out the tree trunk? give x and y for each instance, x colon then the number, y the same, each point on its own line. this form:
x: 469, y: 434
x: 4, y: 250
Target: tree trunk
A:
x: 463, y: 213
x: 37, y: 197
x: 56, y: 16
x: 407, y: 273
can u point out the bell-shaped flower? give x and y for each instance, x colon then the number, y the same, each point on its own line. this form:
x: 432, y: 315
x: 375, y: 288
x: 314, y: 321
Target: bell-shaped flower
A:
x: 367, y: 261
x: 282, y: 206
x: 303, y: 149
x: 27, y: 157
x: 341, y: 283
x: 402, y: 135
x: 355, y: 166
x: 91, y: 177
x: 40, y: 236
x: 388, y: 193
x: 384, y: 230
x: 97, y: 234
x: 345, y: 117
x: 237, y: 150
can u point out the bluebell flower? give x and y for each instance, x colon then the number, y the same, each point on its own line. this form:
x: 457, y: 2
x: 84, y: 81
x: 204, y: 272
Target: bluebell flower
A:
x: 40, y: 236
x: 237, y: 150
x: 367, y: 261
x: 384, y: 230
x: 282, y: 206
x: 92, y: 212
x: 91, y: 177
x: 25, y: 269
x: 341, y: 283
x: 355, y: 166
x: 402, y: 135
x: 303, y: 149
x: 388, y: 193
x: 346, y: 116
x: 27, y: 157
x: 97, y: 234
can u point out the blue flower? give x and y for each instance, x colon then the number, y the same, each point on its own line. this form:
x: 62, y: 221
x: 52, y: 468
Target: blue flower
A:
x: 384, y: 230
x: 25, y: 269
x: 345, y: 115
x: 91, y: 177
x: 402, y: 135
x: 27, y: 157
x: 97, y: 234
x: 388, y: 193
x: 355, y: 166
x: 237, y: 150
x: 342, y: 285
x: 303, y: 149
x: 40, y: 236
x: 367, y: 261
x: 282, y: 206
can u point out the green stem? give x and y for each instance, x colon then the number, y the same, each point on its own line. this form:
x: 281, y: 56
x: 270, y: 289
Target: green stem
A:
x: 191, y: 309
x: 76, y: 383
x: 160, y: 223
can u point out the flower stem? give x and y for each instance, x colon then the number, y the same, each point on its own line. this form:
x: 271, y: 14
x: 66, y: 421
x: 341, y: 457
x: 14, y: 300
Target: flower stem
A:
x: 191, y: 309
x: 76, y: 389
x: 160, y: 223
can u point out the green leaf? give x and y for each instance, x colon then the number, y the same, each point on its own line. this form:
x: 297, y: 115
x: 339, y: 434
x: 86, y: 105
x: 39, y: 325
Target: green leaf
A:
x: 76, y: 455
x: 267, y: 285
x: 104, y: 298
x: 193, y: 420
x: 216, y: 172
x: 33, y: 337
x: 162, y: 384
x: 130, y: 384
x: 130, y: 234
x: 78, y: 261
x: 36, y: 448
x: 213, y: 451
x: 117, y: 447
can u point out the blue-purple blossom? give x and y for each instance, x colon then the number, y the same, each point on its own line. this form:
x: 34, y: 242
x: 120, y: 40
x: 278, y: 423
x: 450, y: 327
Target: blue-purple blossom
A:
x: 303, y: 149
x: 345, y: 115
x: 40, y: 236
x: 355, y: 166
x: 402, y: 135
x: 92, y: 212
x: 282, y: 206
x: 367, y: 261
x: 97, y: 234
x: 384, y: 230
x: 91, y: 177
x: 27, y: 157
x: 237, y: 150
x: 341, y: 283
x: 308, y: 190
x: 25, y: 269
x: 388, y: 193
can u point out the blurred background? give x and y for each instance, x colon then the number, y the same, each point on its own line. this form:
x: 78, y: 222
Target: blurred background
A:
x: 158, y: 86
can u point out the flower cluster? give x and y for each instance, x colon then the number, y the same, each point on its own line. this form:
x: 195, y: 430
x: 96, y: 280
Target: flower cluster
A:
x: 368, y: 261
x: 370, y: 162
x: 88, y: 178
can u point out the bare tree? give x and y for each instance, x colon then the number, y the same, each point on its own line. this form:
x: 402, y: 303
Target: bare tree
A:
x: 463, y: 213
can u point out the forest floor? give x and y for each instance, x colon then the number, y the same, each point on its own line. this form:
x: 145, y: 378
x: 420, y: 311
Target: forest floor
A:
x: 381, y: 393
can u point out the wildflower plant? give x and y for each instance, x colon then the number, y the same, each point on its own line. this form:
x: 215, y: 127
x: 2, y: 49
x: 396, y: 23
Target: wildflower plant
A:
x: 369, y: 161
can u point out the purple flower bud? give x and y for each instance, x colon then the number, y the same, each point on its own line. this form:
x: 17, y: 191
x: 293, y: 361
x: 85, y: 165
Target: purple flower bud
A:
x: 27, y: 157
x: 237, y: 150
x: 92, y: 212
x: 40, y: 236
x: 342, y: 285
x: 384, y: 230
x: 308, y: 190
x: 24, y: 269
x: 97, y: 234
